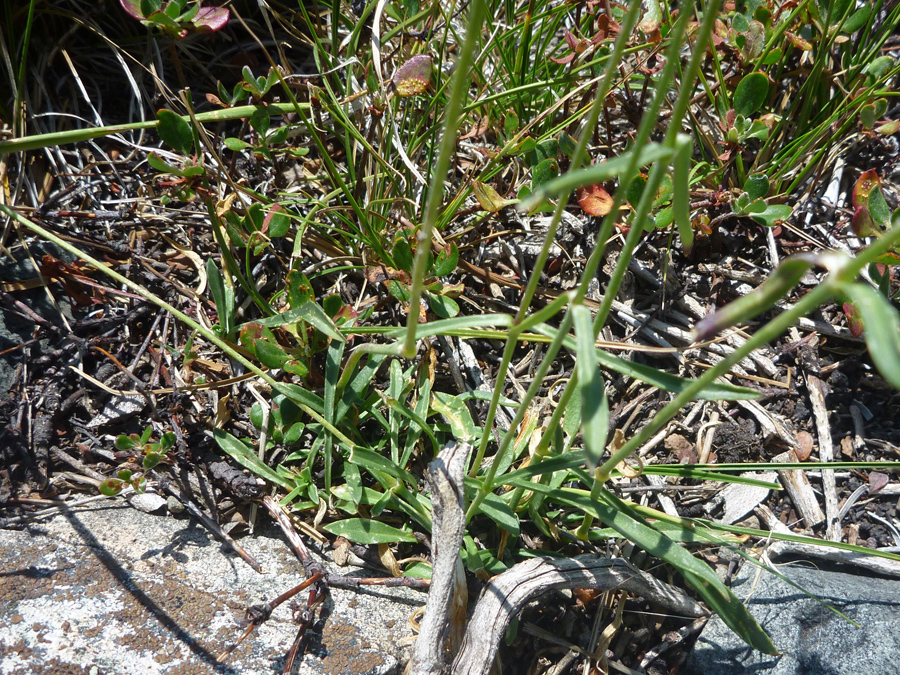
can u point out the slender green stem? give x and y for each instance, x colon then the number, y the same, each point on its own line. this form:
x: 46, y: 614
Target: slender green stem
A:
x: 436, y: 193
x: 628, y: 24
x: 78, y: 135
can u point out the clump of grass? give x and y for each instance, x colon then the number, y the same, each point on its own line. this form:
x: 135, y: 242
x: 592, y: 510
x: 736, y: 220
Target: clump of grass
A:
x: 638, y: 115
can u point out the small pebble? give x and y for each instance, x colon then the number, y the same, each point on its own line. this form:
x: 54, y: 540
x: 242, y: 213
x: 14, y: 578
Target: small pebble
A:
x: 174, y: 505
x: 148, y: 502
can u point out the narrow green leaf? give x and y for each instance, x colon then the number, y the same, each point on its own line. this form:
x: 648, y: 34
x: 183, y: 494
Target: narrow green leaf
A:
x: 160, y: 164
x: 745, y: 308
x: 365, y: 531
x: 222, y: 298
x: 598, y: 173
x: 681, y: 197
x: 372, y: 461
x: 457, y: 415
x: 498, y: 511
x: 316, y: 316
x: 718, y: 391
x: 616, y: 514
x: 594, y: 406
x: 401, y: 409
x: 247, y: 459
x: 302, y: 397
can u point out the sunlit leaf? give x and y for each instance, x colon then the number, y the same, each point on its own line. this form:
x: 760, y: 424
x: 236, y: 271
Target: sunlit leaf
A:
x: 446, y: 260
x: 772, y: 214
x: 111, y: 487
x: 248, y: 459
x: 498, y: 511
x: 594, y: 200
x: 445, y: 307
x: 277, y: 221
x: 864, y: 185
x: 211, y: 19
x: 365, y: 531
x: 488, y: 197
x: 756, y: 186
x: 594, y: 406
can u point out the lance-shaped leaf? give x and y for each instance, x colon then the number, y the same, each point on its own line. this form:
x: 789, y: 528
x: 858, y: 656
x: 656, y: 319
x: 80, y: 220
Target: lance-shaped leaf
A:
x: 594, y: 406
x: 365, y: 531
x: 618, y: 515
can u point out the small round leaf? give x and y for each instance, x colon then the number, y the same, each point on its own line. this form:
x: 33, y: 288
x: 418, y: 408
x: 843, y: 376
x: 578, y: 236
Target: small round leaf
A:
x: 751, y: 93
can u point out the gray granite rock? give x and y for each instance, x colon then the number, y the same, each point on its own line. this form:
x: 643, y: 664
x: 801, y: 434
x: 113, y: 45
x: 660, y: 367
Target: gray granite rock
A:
x: 814, y: 640
x: 115, y: 591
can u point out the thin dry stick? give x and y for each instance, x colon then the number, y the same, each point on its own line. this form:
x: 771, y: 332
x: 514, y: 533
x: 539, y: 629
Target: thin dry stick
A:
x: 826, y: 454
x: 508, y: 593
x: 445, y: 478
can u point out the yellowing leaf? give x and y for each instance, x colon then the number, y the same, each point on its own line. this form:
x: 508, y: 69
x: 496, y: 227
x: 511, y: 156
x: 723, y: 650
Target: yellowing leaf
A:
x: 488, y: 197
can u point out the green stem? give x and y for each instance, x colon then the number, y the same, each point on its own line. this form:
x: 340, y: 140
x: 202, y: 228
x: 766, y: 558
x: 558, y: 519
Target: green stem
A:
x: 78, y: 135
x: 458, y: 94
x: 519, y: 324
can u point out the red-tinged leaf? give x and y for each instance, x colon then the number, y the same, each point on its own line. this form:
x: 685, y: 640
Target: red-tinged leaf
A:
x: 211, y: 19
x: 414, y: 76
x: 111, y: 487
x: 877, y: 481
x: 594, y: 200
x: 854, y: 320
x: 133, y: 7
x: 730, y: 117
x: 798, y: 41
x: 277, y: 222
x: 563, y: 60
x: 862, y: 223
x: 488, y: 197
x: 864, y: 185
x: 478, y: 129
